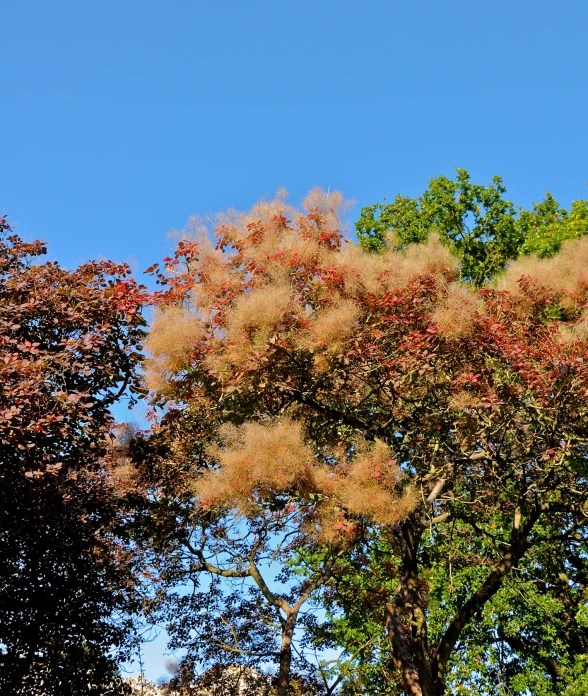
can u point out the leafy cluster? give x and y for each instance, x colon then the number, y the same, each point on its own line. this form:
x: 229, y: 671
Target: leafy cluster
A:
x: 480, y: 226
x: 69, y: 344
x: 477, y: 395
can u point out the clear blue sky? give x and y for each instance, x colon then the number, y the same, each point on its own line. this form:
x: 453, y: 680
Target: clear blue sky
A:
x: 120, y: 119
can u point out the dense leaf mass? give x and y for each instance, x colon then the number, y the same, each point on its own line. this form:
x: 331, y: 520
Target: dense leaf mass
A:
x: 482, y: 228
x: 69, y: 343
x: 477, y: 394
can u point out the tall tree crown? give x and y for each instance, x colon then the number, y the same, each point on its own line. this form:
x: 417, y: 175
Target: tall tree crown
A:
x: 481, y: 227
x: 69, y: 347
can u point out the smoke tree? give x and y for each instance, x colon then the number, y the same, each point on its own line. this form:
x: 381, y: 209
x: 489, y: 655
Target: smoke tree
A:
x: 485, y: 230
x: 447, y: 423
x: 68, y: 350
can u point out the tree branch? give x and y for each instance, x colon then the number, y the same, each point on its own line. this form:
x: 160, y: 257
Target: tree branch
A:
x: 205, y: 565
x: 518, y: 546
x: 273, y: 599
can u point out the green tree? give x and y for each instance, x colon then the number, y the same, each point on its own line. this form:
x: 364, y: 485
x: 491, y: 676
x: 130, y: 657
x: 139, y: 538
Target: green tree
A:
x: 481, y: 227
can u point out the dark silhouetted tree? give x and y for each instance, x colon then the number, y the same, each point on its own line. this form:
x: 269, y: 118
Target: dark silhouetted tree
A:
x: 69, y: 344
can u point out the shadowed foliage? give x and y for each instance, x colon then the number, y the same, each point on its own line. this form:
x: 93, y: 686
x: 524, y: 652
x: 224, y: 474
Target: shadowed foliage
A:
x: 69, y: 344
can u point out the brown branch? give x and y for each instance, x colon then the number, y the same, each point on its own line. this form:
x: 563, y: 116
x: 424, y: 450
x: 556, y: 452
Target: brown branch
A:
x: 519, y: 544
x: 434, y: 494
x: 209, y: 567
x: 401, y: 651
x: 273, y: 599
x: 314, y: 585
x: 332, y: 413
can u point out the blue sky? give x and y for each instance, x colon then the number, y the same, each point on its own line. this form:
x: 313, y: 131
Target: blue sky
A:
x: 120, y: 119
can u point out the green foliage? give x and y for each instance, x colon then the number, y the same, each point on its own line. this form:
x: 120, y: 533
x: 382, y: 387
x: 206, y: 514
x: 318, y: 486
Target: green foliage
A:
x: 530, y: 638
x: 547, y: 226
x: 479, y: 396
x: 480, y: 226
x: 527, y: 636
x: 577, y: 680
x: 354, y: 618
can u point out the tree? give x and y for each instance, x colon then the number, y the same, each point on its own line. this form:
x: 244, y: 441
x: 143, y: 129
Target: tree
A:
x: 269, y: 496
x: 478, y: 224
x: 231, y: 618
x: 447, y: 422
x: 68, y: 342
x: 481, y: 227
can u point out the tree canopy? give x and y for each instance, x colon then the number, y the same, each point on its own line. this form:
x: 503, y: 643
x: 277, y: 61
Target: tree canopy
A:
x: 437, y: 427
x: 480, y: 226
x: 366, y: 469
x: 69, y: 343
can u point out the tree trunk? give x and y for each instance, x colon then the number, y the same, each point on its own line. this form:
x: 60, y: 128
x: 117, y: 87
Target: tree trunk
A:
x: 410, y: 644
x: 286, y: 654
x: 412, y: 594
x: 401, y: 653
